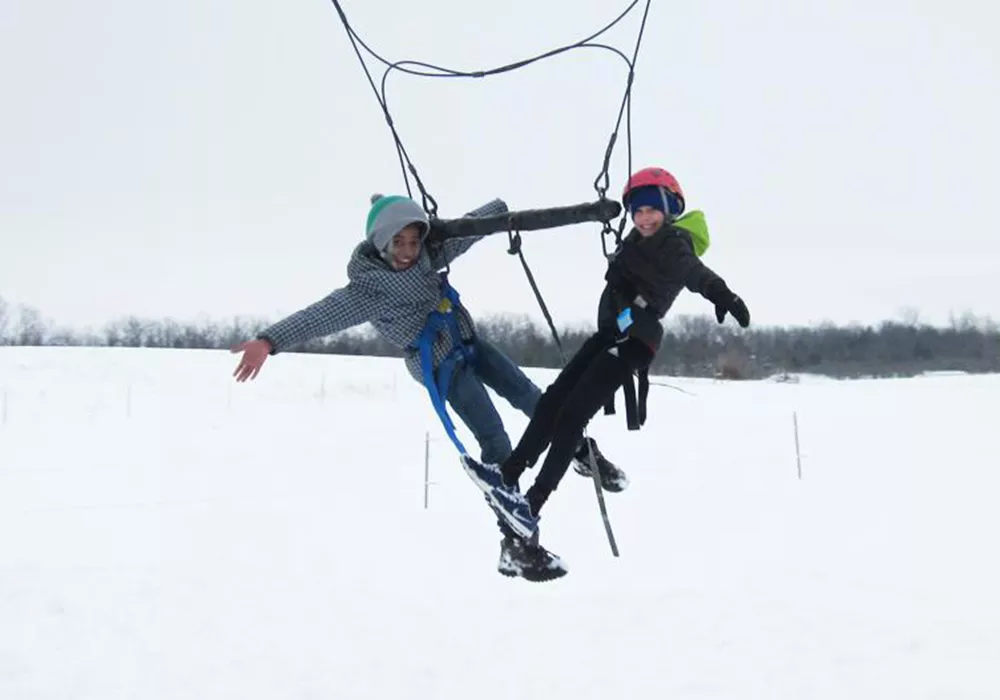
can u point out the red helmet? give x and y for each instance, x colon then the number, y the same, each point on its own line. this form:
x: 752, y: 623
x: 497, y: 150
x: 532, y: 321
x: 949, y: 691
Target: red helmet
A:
x: 658, y: 177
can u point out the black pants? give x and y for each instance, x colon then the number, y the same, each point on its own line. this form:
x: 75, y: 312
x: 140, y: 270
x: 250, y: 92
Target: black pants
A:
x: 589, y: 379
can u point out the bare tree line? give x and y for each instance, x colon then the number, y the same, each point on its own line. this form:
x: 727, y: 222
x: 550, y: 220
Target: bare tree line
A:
x: 693, y: 345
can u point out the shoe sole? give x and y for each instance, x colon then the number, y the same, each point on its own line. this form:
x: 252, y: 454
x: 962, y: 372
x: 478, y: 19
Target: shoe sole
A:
x: 540, y: 577
x: 547, y: 576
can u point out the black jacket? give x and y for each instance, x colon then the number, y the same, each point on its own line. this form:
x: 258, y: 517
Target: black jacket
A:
x: 646, y: 275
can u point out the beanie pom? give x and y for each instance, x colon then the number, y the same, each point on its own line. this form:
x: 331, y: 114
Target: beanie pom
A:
x: 375, y: 197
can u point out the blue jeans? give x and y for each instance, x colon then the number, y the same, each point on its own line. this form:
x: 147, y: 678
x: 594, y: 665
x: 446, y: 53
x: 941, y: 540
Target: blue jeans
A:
x: 468, y: 397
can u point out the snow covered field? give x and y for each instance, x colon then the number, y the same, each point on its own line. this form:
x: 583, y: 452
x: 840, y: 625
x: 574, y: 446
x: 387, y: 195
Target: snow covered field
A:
x: 168, y: 534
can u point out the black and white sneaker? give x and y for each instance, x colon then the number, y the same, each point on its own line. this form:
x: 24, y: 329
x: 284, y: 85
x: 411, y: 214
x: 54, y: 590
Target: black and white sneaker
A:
x: 612, y: 478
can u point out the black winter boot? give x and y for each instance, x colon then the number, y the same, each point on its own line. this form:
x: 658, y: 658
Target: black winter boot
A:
x: 529, y: 560
x: 612, y: 478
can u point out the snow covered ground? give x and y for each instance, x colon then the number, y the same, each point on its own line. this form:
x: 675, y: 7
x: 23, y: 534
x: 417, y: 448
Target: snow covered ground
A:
x: 168, y: 534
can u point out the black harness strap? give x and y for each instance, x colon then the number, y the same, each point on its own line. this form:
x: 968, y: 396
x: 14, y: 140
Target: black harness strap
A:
x: 643, y: 394
x: 635, y: 404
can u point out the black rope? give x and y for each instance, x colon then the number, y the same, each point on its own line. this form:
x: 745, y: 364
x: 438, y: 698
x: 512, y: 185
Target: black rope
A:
x: 430, y: 205
x: 514, y: 237
x: 625, y: 109
x: 449, y: 72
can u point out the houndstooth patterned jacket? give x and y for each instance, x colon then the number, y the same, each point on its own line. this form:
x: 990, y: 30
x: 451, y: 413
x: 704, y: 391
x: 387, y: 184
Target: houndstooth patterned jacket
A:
x: 396, y: 303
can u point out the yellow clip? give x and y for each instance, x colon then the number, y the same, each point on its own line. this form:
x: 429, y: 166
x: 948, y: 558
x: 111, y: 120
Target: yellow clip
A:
x: 445, y: 306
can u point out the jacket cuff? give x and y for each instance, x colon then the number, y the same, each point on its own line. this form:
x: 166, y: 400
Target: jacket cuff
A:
x: 270, y: 340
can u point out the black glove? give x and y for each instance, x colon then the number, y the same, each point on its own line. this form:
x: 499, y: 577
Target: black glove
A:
x: 734, y: 305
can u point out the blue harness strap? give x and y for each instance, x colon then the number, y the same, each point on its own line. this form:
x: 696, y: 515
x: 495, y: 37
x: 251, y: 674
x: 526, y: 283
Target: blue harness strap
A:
x: 445, y: 316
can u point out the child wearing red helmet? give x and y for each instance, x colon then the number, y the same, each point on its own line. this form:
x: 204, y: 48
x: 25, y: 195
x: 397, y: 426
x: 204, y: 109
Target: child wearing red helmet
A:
x: 658, y: 258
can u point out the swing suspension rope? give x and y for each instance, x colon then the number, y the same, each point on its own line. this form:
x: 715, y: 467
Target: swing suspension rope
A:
x: 601, y: 182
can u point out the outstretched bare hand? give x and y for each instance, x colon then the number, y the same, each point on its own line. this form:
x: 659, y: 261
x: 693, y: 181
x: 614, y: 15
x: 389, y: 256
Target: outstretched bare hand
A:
x: 255, y: 352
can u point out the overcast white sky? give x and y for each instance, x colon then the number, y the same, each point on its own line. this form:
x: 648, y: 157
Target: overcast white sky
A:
x: 216, y: 157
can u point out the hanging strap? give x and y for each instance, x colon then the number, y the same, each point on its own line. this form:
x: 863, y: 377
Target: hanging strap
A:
x: 635, y: 405
x: 445, y: 317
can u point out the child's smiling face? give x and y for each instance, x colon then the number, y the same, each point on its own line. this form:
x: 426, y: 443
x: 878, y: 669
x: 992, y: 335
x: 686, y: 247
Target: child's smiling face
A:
x: 405, y: 248
x: 648, y: 220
